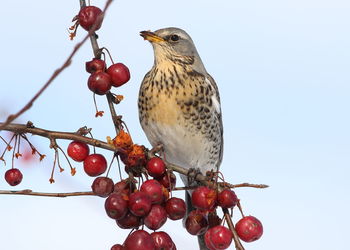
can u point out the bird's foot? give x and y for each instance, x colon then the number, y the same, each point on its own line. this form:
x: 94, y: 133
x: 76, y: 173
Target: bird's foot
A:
x: 159, y: 148
x: 192, y: 175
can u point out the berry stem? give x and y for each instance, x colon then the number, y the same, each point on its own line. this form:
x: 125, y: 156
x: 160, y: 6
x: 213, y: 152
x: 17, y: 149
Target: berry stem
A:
x: 13, y: 152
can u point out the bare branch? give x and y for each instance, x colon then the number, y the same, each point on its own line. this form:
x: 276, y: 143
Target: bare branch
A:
x: 245, y: 184
x: 61, y: 195
x: 22, y: 129
x: 236, y: 239
x: 68, y: 61
x: 66, y: 64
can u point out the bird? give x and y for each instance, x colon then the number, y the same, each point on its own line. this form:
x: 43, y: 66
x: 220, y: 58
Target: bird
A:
x: 179, y: 104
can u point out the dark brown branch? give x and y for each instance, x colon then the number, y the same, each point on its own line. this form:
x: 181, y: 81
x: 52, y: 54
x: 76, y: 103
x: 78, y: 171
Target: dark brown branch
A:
x: 62, y: 195
x: 236, y: 239
x: 22, y: 129
x: 79, y: 136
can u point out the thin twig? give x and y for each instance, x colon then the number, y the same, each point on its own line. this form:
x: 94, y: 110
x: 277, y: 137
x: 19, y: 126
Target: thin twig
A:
x: 68, y: 61
x: 97, y: 54
x: 30, y: 192
x: 236, y: 239
x: 66, y: 64
x: 228, y: 185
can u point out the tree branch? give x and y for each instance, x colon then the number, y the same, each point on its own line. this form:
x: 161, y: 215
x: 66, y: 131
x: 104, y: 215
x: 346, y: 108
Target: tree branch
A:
x: 61, y: 195
x: 236, y: 239
x: 22, y: 129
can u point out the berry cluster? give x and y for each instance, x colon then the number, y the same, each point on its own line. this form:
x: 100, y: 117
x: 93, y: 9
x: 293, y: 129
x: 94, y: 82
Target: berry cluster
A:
x: 136, y: 204
x: 149, y: 206
x: 94, y: 164
x: 101, y: 79
x: 200, y: 221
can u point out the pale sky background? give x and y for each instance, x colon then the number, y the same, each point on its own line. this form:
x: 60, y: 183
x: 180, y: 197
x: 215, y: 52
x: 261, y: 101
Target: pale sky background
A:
x: 283, y: 71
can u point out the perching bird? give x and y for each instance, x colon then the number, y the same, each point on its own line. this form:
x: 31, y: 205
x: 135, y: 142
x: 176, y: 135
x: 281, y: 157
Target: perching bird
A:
x: 179, y: 103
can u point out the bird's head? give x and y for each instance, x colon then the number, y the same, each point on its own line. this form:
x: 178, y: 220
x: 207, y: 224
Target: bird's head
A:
x: 175, y: 45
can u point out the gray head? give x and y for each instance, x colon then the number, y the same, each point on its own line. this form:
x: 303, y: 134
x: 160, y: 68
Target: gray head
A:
x: 175, y: 45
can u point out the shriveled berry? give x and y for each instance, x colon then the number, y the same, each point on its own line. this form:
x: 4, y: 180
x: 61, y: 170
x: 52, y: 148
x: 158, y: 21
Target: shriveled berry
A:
x: 129, y: 221
x: 167, y: 179
x: 163, y: 241
x: 218, y: 237
x: 116, y: 206
x: 196, y: 223
x: 156, y: 217
x: 88, y: 16
x: 95, y: 65
x: 95, y: 164
x: 124, y: 186
x: 102, y: 186
x: 119, y: 73
x: 249, y: 229
x: 78, y: 151
x: 227, y: 198
x: 13, y: 176
x: 139, y: 240
x: 99, y: 83
x: 175, y: 208
x: 117, y: 247
x: 155, y: 167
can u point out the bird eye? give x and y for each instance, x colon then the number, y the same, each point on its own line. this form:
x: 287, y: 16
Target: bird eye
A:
x: 174, y: 38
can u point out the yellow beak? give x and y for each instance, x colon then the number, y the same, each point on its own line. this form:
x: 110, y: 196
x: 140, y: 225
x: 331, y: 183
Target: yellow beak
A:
x: 152, y: 37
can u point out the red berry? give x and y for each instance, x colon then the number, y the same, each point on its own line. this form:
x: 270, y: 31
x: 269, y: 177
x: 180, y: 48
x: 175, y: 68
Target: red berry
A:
x: 124, y: 187
x: 175, y: 208
x: 196, y: 223
x: 155, y: 167
x: 116, y: 206
x: 249, y: 229
x: 163, y: 241
x: 13, y: 176
x: 129, y: 221
x: 118, y: 247
x: 204, y: 198
x: 99, y: 83
x: 156, y: 217
x: 139, y: 203
x: 139, y: 240
x: 217, y: 238
x: 95, y: 65
x: 78, y: 151
x: 227, y: 198
x: 154, y: 189
x: 88, y: 16
x: 102, y: 186
x: 167, y: 179
x: 119, y: 73
x: 95, y: 164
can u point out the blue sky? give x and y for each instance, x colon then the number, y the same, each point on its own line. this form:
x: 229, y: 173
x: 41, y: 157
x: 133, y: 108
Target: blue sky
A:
x: 282, y: 68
